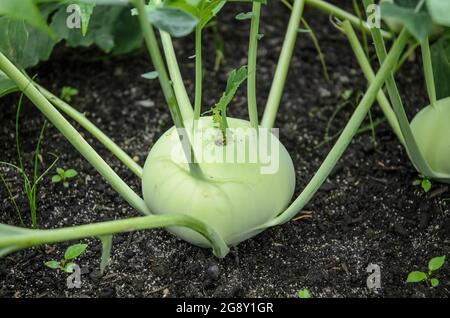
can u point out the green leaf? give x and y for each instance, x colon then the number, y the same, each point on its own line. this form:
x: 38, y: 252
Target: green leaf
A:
x: 86, y: 10
x: 24, y: 44
x: 417, y: 182
x: 60, y: 171
x: 101, y: 30
x: 419, y: 24
x: 25, y: 10
x: 66, y: 184
x: 74, y: 251
x: 235, y: 79
x: 426, y: 185
x: 415, y: 277
x: 52, y: 264
x: 176, y: 22
x: 436, y: 263
x: 304, y: 293
x: 70, y: 173
x: 67, y: 93
x: 244, y: 16
x: 434, y: 282
x: 150, y: 75
x: 440, y: 56
x: 56, y: 178
x: 439, y: 11
x: 6, y: 85
x: 126, y: 33
x: 106, y: 251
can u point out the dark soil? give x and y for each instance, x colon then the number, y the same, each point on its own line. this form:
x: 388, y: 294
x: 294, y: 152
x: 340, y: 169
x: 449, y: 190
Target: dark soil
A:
x: 367, y: 212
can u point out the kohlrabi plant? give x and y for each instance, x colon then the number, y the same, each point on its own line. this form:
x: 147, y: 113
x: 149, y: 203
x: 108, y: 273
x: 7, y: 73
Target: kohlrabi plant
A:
x: 211, y: 179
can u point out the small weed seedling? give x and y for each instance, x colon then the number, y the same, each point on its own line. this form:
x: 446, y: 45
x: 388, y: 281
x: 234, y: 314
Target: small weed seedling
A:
x: 67, y: 93
x: 64, y: 176
x: 423, y: 182
x: 433, y: 265
x: 304, y: 293
x: 66, y: 264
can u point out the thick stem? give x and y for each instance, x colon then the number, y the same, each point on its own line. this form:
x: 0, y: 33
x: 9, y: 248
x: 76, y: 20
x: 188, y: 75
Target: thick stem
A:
x: 364, y: 63
x: 72, y: 135
x: 428, y: 71
x: 252, y: 56
x: 198, y: 73
x: 157, y: 60
x: 347, y: 134
x: 284, y: 61
x: 30, y: 238
x: 342, y: 15
x: 94, y: 130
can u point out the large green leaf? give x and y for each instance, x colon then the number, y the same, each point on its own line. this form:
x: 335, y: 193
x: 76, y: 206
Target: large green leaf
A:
x: 24, y: 44
x: 24, y: 10
x: 175, y: 21
x: 419, y: 24
x: 111, y: 28
x: 440, y: 55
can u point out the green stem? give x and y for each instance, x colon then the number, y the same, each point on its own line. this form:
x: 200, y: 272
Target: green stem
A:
x: 198, y: 73
x: 364, y: 63
x: 347, y: 134
x: 93, y: 130
x: 175, y: 75
x: 284, y: 60
x: 27, y: 238
x: 251, y: 71
x: 361, y: 26
x: 342, y: 15
x: 72, y: 135
x: 157, y: 60
x: 428, y: 71
x: 411, y: 146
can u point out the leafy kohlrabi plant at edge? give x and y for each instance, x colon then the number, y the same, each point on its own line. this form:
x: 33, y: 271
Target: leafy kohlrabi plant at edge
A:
x: 208, y: 203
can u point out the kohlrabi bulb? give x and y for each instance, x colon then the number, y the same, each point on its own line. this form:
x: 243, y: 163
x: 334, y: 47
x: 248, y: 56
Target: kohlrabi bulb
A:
x: 431, y: 129
x: 237, y: 193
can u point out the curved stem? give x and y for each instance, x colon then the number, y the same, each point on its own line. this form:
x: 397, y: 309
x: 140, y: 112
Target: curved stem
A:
x: 347, y: 134
x: 94, y: 130
x: 198, y: 73
x: 20, y: 238
x: 428, y: 71
x: 72, y: 135
x: 364, y: 63
x: 251, y: 65
x: 342, y: 15
x: 284, y: 61
x: 172, y: 103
